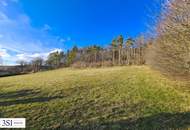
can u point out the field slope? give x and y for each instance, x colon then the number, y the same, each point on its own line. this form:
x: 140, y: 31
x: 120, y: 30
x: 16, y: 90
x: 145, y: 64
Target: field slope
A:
x: 115, y: 98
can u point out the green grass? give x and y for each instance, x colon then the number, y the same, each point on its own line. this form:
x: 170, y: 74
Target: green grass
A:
x: 115, y: 98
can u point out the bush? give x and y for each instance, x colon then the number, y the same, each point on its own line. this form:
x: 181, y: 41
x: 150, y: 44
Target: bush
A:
x: 81, y: 64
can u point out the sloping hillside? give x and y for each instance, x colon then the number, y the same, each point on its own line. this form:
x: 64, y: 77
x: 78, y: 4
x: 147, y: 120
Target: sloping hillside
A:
x: 116, y: 98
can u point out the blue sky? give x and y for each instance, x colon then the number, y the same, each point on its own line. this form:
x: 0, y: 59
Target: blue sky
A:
x: 34, y: 28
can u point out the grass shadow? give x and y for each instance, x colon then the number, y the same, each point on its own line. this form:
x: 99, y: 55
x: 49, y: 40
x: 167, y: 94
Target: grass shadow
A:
x: 25, y: 97
x: 162, y: 121
x: 18, y: 94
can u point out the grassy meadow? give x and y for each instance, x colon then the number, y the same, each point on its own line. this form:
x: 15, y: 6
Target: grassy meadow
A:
x: 118, y: 98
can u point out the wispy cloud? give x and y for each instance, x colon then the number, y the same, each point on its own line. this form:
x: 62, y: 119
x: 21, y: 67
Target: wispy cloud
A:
x: 6, y: 2
x: 4, y: 53
x: 46, y: 27
x: 7, y: 58
x: 63, y: 40
x: 28, y: 57
x: 19, y: 39
x: 3, y: 3
x: 3, y: 18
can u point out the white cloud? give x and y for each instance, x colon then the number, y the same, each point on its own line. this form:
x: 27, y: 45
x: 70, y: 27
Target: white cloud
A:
x: 5, y: 57
x: 4, y: 53
x: 10, y: 59
x: 28, y: 57
x: 56, y: 50
x: 46, y: 28
x: 62, y: 40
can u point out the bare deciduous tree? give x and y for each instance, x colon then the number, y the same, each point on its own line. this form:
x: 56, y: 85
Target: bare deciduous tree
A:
x: 171, y: 50
x: 37, y: 64
x: 22, y: 63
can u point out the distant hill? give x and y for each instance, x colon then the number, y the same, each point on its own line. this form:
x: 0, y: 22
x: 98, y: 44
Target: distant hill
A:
x: 16, y: 70
x: 9, y: 70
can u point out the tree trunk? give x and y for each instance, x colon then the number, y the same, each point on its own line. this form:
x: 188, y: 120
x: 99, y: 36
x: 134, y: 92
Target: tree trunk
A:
x: 128, y: 56
x: 113, y: 56
x: 95, y: 57
x: 119, y: 56
x: 102, y: 53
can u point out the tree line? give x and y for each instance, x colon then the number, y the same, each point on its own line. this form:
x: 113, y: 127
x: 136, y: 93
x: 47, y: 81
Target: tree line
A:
x: 120, y: 51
